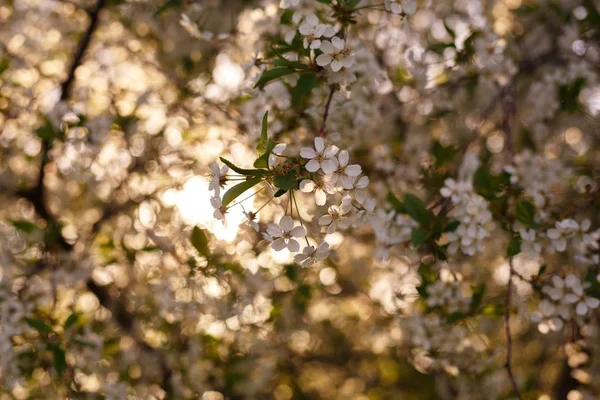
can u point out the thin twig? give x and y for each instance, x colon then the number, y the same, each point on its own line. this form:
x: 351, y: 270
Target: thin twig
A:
x: 323, y: 130
x: 508, y: 364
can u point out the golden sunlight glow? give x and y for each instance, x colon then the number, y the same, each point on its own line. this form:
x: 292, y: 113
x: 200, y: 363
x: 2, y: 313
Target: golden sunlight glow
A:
x: 193, y: 203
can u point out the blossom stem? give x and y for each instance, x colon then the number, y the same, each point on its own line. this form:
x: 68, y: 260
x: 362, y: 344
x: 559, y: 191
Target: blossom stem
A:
x: 299, y: 217
x: 508, y: 363
x: 323, y: 130
x: 263, y: 206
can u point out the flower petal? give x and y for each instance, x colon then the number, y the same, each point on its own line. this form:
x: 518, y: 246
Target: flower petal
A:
x: 313, y: 165
x: 343, y: 158
x: 320, y: 197
x: 278, y: 244
x: 319, y: 144
x: 307, y: 186
x: 328, y: 166
x: 286, y: 223
x: 298, y: 232
x: 308, y: 153
x: 335, y: 65
x: 293, y: 246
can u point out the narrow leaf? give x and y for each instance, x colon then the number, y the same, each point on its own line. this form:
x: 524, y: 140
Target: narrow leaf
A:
x: 242, y: 171
x: 273, y: 74
x: 238, y: 189
x: 263, y: 161
x: 39, y: 325
x: 261, y: 148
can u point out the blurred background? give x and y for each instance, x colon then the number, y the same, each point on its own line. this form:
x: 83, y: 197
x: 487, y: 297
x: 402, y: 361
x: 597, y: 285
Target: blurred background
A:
x: 116, y: 280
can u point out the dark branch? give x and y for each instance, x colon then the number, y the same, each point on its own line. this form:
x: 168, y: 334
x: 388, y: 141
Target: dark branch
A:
x: 508, y: 364
x: 323, y: 130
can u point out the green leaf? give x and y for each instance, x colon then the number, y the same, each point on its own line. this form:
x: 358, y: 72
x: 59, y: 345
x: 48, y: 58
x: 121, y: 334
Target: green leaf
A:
x: 301, y: 92
x: 485, y: 184
x: 263, y: 161
x: 569, y: 94
x: 396, y: 203
x: 419, y: 236
x: 23, y: 225
x: 263, y: 143
x: 71, y: 320
x: 167, y: 6
x: 39, y: 325
x: 273, y: 74
x: 417, y: 209
x: 443, y: 154
x: 451, y: 226
x: 477, y: 297
x: 280, y: 193
x: 455, y: 317
x: 525, y: 212
x: 427, y: 275
x: 200, y: 241
x: 4, y: 64
x: 242, y: 171
x: 238, y: 189
x: 285, y: 182
x: 514, y: 246
x: 440, y: 47
x: 284, y: 62
x: 59, y: 360
x: 287, y: 17
x: 46, y: 132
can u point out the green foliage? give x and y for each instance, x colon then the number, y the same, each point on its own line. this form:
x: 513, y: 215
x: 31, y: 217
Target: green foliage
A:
x: 286, y: 182
x: 4, y: 65
x: 59, y: 360
x: 417, y: 209
x: 263, y: 142
x: 395, y: 203
x: 443, y: 154
x: 477, y: 296
x: 199, y: 240
x: 39, y: 325
x: 525, y: 212
x: 514, y: 246
x: 167, y: 6
x: 47, y: 132
x: 419, y: 236
x: 569, y: 94
x: 71, y: 320
x: 238, y: 189
x: 263, y: 160
x: 273, y: 74
x: 242, y: 171
x: 301, y: 92
x: 23, y: 225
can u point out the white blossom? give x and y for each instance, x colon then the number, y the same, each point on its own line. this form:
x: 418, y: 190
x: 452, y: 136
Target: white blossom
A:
x: 320, y: 157
x: 282, y: 236
x: 311, y: 255
x: 335, y: 54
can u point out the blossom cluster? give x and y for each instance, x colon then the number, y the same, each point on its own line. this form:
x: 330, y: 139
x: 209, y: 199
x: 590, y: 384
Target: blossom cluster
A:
x: 564, y: 300
x: 472, y: 212
x: 324, y: 172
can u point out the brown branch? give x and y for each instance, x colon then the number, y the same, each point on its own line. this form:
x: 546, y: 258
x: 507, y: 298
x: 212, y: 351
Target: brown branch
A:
x: 323, y: 130
x: 508, y: 363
